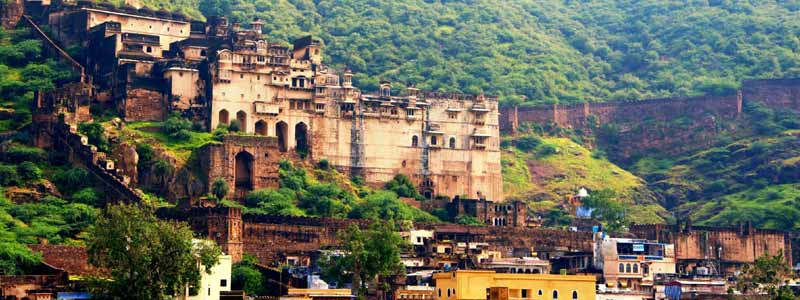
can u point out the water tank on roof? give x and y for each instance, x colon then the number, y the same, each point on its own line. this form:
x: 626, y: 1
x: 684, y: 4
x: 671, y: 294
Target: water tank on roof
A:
x: 582, y: 192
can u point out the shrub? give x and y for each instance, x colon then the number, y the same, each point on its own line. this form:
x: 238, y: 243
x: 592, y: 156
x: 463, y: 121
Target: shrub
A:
x: 324, y: 164
x: 20, y: 153
x: 235, y: 126
x: 177, y: 127
x: 96, y: 135
x: 402, y: 186
x: 86, y: 196
x: 181, y: 135
x: 527, y: 143
x: 8, y: 175
x: 547, y: 150
x: 28, y: 171
x: 219, y: 188
x: 146, y: 153
x: 71, y: 180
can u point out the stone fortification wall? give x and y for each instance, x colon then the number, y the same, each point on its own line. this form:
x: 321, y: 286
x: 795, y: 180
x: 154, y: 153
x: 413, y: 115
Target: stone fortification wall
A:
x: 730, y: 246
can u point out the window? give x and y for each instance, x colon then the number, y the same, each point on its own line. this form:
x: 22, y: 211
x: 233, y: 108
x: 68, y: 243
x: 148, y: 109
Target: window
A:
x: 621, y: 268
x: 410, y: 112
x: 574, y: 295
x: 524, y: 293
x: 452, y: 114
x: 440, y: 293
x: 452, y: 143
x: 149, y: 49
x: 541, y: 292
x: 635, y: 268
x: 627, y: 268
x: 433, y: 140
x: 223, y: 283
x: 448, y: 293
x: 414, y: 141
x: 555, y: 295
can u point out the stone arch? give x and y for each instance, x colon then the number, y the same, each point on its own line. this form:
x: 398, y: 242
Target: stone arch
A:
x: 301, y: 139
x: 261, y: 127
x: 282, y: 132
x: 224, y: 117
x: 241, y: 116
x: 243, y: 173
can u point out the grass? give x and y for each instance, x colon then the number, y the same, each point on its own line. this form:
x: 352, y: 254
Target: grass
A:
x: 150, y: 132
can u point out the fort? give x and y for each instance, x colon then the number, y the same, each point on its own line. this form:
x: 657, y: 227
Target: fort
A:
x: 150, y: 64
x: 288, y: 104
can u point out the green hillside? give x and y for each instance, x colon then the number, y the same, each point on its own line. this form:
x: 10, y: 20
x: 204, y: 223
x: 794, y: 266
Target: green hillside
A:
x: 545, y: 171
x: 544, y: 50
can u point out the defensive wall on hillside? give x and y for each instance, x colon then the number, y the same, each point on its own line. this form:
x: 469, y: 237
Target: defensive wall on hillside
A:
x: 669, y: 125
x: 774, y: 93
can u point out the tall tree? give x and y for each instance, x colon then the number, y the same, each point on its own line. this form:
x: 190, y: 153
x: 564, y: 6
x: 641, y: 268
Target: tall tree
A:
x: 368, y: 254
x: 148, y: 258
x: 770, y: 274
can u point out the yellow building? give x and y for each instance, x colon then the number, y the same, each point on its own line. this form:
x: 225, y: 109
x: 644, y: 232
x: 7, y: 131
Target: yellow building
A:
x: 482, y: 285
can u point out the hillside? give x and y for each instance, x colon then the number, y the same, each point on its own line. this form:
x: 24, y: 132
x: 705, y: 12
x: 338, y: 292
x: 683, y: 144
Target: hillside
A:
x: 545, y: 171
x: 546, y: 51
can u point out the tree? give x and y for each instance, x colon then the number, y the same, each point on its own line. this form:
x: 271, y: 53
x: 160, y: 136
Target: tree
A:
x: 219, y: 188
x: 385, y: 206
x: 770, y: 274
x: 368, y: 254
x: 148, y: 258
x: 272, y: 202
x: 402, y: 186
x: 245, y: 276
x: 607, y: 209
x: 215, y: 8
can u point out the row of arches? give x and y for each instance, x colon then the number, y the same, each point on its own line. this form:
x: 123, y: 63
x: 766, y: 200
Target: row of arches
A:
x: 434, y: 141
x: 281, y: 131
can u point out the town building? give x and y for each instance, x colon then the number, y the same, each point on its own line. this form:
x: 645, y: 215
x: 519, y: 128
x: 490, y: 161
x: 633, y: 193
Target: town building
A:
x: 481, y: 285
x: 214, y: 282
x: 318, y: 294
x: 525, y: 265
x: 632, y: 264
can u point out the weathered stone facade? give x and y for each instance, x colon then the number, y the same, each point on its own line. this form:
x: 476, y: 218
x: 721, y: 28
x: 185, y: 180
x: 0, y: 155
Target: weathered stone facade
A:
x: 244, y: 162
x: 725, y: 248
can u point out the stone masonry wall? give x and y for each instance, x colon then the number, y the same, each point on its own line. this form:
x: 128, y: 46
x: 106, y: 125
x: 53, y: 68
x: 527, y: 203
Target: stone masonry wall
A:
x: 143, y: 105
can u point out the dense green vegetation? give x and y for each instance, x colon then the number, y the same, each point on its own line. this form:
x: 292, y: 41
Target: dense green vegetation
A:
x: 327, y: 193
x: 547, y: 51
x: 28, y: 217
x: 23, y: 70
x: 752, y: 175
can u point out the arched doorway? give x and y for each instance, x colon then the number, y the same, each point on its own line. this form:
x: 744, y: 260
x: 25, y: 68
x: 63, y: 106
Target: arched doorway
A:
x: 243, y: 173
x: 223, y: 117
x: 241, y: 116
x: 261, y: 128
x: 282, y: 131
x: 301, y: 139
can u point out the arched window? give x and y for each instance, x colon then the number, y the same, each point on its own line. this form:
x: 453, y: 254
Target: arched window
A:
x: 627, y: 268
x: 540, y: 292
x: 223, y: 117
x: 440, y: 293
x: 414, y: 141
x: 448, y: 293
x: 149, y: 49
x: 203, y: 53
x: 574, y: 295
x: 452, y: 143
x: 555, y: 294
x: 621, y: 268
x: 635, y: 268
x: 433, y: 140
